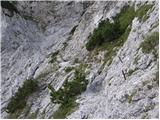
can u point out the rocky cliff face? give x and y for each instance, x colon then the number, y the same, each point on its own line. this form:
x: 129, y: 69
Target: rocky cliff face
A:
x: 124, y: 87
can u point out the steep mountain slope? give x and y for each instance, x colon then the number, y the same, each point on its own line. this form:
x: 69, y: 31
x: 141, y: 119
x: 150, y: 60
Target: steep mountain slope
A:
x: 46, y: 42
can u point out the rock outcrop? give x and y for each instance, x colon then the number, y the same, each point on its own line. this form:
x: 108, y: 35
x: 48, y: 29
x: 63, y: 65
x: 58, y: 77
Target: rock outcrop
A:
x: 32, y: 32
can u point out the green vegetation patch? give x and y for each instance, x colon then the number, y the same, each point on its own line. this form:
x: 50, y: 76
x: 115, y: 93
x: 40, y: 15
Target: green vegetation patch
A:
x: 112, y: 47
x: 142, y: 11
x: 18, y: 101
x: 66, y: 95
x: 32, y: 116
x: 125, y: 17
x: 65, y: 110
x: 130, y: 97
x: 131, y: 71
x: 149, y: 44
x: 14, y: 115
x: 109, y: 32
x: 104, y: 33
x: 110, y: 36
x: 68, y: 69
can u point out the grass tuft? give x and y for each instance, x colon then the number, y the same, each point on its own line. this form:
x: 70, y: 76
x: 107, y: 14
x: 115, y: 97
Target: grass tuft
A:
x: 142, y: 11
x: 149, y: 44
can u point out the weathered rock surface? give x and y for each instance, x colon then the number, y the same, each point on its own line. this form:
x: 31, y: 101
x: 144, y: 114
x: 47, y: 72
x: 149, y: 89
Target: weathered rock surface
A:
x: 42, y: 28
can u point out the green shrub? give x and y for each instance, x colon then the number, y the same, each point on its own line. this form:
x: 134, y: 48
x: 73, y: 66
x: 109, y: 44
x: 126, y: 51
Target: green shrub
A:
x: 106, y: 31
x: 18, y: 101
x: 121, y: 29
x: 112, y: 47
x: 109, y: 32
x: 149, y: 44
x: 70, y: 88
x: 67, y: 94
